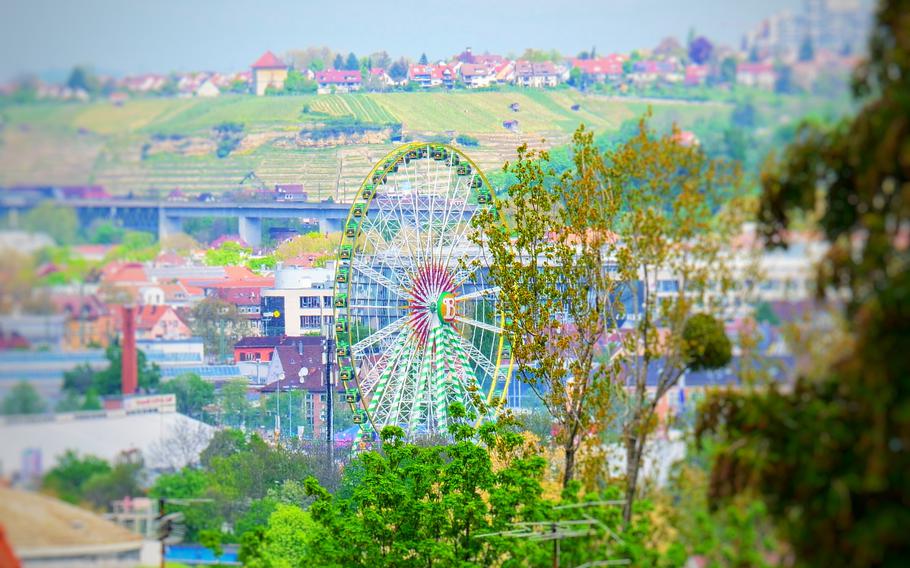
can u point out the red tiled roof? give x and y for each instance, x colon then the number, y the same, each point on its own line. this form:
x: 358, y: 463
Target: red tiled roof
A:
x: 474, y: 70
x: 338, y: 76
x: 534, y: 69
x: 148, y: 316
x: 600, y: 66
x: 268, y: 61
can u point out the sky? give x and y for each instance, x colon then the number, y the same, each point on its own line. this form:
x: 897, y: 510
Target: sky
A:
x: 131, y: 36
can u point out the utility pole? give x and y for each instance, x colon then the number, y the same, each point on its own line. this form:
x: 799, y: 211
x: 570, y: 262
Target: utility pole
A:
x: 328, y: 356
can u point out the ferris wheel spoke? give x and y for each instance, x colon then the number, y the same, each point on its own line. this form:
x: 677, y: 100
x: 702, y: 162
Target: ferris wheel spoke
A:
x: 482, y: 360
x: 381, y: 279
x: 480, y: 324
x: 479, y: 293
x: 386, y: 332
x: 383, y: 307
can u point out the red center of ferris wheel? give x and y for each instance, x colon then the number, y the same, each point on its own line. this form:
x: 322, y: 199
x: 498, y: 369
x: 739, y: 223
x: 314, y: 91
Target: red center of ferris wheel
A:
x: 433, y: 299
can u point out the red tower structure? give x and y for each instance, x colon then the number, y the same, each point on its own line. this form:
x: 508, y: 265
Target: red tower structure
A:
x: 129, y: 374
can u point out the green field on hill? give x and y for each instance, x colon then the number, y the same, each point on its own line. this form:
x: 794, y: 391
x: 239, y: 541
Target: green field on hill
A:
x: 102, y: 142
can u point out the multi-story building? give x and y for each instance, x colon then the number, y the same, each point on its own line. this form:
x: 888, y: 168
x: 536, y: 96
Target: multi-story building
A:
x: 300, y: 303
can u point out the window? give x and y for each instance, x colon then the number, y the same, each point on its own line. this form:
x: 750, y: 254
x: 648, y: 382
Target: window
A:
x: 309, y: 301
x: 309, y: 322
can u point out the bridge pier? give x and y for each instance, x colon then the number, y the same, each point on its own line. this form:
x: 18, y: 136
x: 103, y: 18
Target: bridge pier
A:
x: 250, y: 229
x: 168, y: 225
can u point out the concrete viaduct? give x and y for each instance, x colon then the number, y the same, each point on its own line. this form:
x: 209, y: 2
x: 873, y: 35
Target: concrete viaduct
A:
x: 166, y: 217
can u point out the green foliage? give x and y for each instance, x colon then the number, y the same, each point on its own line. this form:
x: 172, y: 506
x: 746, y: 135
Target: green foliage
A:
x: 23, y: 399
x: 764, y: 313
x: 108, y: 381
x: 67, y: 479
x: 298, y: 83
x: 706, y: 343
x: 125, y: 479
x: 219, y: 324
x: 283, y: 543
x: 83, y: 78
x: 135, y: 246
x: 229, y: 253
x: 239, y: 476
x: 94, y: 481
x: 193, y: 393
x: 828, y: 455
x: 60, y: 223
x: 106, y: 233
x: 467, y: 141
x: 228, y: 136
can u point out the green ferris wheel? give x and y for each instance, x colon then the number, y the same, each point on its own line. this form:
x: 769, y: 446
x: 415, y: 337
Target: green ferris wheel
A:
x: 416, y: 323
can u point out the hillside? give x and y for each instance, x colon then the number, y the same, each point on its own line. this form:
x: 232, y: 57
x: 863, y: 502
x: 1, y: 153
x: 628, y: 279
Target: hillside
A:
x: 165, y: 144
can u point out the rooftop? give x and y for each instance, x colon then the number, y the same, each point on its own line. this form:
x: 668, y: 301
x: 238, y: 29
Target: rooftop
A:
x: 269, y: 61
x: 36, y: 525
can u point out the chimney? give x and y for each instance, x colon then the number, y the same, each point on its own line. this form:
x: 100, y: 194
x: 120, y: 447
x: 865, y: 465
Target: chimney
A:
x: 300, y: 347
x: 129, y: 371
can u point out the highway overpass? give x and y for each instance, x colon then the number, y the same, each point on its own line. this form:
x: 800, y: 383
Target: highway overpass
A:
x: 166, y: 217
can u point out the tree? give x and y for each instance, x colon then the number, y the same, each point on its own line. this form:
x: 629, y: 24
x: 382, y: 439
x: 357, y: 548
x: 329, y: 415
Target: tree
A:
x: 380, y: 59
x: 284, y: 542
x: 83, y: 78
x: 106, y: 233
x: 23, y: 399
x: 136, y: 246
x: 420, y: 506
x: 728, y: 70
x: 311, y: 243
x: 108, y: 381
x: 193, y: 393
x: 297, y: 83
x: 338, y: 64
x: 560, y: 227
x: 229, y: 253
x: 219, y: 324
x: 783, y: 83
x: 806, y: 51
x: 582, y: 255
x: 60, y: 223
x: 234, y: 404
x: 66, y: 479
x: 828, y: 453
x: 399, y: 70
x: 125, y: 479
x: 423, y: 59
x: 351, y: 63
x: 700, y: 50
x: 744, y: 115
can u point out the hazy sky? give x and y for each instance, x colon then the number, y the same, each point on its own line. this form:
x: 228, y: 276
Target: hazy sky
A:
x: 127, y: 36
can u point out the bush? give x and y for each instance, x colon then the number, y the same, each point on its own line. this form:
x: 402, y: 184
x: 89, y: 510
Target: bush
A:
x: 707, y: 345
x: 465, y: 140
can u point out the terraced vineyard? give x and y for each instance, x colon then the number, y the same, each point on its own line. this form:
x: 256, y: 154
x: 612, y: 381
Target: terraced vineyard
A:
x: 360, y: 107
x: 103, y: 143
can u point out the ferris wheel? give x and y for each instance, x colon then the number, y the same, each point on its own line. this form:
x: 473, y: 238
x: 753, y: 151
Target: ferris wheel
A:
x: 416, y: 322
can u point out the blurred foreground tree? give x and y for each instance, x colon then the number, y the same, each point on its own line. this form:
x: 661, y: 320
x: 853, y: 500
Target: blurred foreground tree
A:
x: 830, y: 456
